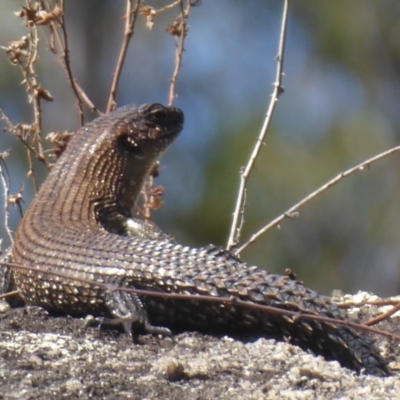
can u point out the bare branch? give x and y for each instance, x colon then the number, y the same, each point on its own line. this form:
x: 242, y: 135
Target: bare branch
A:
x: 150, y: 195
x: 293, y: 211
x: 60, y: 47
x: 238, y: 215
x: 382, y: 317
x: 85, y: 98
x: 179, y: 27
x: 232, y: 301
x: 24, y: 54
x: 66, y: 63
x: 130, y: 20
x: 5, y: 179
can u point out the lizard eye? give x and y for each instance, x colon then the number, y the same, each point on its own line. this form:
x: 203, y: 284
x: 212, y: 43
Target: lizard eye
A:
x: 159, y: 113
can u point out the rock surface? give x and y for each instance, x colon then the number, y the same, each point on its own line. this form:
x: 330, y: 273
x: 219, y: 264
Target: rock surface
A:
x: 49, y: 357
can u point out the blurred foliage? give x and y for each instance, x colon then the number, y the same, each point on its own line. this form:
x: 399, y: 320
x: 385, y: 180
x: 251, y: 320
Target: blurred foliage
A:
x: 338, y: 235
x: 340, y: 107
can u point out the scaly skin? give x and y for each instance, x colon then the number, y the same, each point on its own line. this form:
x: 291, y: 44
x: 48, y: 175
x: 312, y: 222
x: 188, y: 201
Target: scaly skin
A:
x: 80, y: 224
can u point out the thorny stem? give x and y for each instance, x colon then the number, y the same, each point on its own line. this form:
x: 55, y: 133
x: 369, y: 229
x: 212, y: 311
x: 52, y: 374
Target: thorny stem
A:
x: 31, y: 82
x: 130, y: 20
x: 67, y: 63
x: 85, y: 98
x: 168, y: 6
x: 4, y: 178
x: 292, y: 212
x: 31, y: 170
x: 30, y: 79
x: 179, y: 51
x: 180, y: 25
x: 238, y: 215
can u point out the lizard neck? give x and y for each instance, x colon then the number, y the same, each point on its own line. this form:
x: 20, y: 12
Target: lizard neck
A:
x: 96, y: 181
x: 91, y: 186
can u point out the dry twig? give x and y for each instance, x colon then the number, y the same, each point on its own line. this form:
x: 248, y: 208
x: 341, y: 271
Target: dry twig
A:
x: 293, y: 211
x: 58, y: 44
x: 207, y: 298
x: 130, y: 20
x: 238, y: 215
x: 178, y: 29
x: 4, y: 179
x: 384, y: 316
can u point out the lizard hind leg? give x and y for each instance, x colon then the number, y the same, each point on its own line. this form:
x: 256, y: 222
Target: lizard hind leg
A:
x: 128, y: 311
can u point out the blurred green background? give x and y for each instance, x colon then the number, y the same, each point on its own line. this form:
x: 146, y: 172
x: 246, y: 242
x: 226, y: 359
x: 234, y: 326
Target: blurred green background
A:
x: 340, y: 106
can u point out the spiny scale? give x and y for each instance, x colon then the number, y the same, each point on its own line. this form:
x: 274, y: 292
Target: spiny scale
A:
x: 80, y: 223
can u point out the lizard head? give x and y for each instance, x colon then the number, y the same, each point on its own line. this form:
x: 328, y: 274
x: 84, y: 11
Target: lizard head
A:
x: 106, y: 162
x: 146, y: 134
x: 139, y: 138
